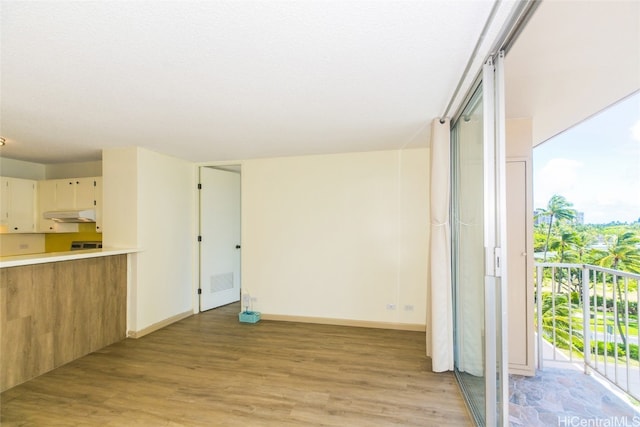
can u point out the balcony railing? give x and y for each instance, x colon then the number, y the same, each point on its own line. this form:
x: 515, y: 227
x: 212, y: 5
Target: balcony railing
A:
x: 589, y: 315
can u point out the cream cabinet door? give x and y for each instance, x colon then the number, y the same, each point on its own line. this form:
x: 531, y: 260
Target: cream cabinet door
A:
x: 46, y: 202
x: 4, y: 204
x: 18, y: 205
x: 75, y: 193
x: 65, y: 194
x: 85, y: 193
x: 98, y: 203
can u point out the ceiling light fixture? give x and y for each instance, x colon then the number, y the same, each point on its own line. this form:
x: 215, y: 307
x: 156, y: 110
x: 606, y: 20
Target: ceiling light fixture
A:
x: 2, y: 141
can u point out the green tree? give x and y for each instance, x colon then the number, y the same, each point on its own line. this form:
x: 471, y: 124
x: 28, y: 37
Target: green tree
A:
x: 565, y: 246
x: 557, y: 208
x: 558, y: 323
x: 539, y: 237
x: 623, y: 253
x: 582, y: 241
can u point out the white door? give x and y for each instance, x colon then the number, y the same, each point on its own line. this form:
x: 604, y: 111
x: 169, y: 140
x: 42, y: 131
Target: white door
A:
x: 220, y: 237
x: 520, y: 292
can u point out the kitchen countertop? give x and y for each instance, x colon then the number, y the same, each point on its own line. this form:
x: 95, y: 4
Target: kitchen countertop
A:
x: 19, y: 260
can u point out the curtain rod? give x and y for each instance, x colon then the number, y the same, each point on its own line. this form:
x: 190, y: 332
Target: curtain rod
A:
x: 508, y: 34
x: 483, y: 34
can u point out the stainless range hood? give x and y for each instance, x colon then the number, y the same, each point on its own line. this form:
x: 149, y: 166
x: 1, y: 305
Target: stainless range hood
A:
x: 80, y: 215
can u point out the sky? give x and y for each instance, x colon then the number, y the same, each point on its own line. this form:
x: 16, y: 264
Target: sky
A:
x: 594, y: 165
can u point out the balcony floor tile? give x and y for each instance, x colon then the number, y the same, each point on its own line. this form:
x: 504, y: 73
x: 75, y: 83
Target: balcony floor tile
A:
x: 565, y: 397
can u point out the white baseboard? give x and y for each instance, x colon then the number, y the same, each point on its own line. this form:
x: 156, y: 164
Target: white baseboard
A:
x: 345, y: 322
x: 159, y: 325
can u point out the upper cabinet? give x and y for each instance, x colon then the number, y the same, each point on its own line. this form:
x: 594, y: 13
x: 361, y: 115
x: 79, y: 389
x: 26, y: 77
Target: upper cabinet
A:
x: 75, y: 193
x: 17, y: 205
x: 46, y: 202
x: 68, y: 194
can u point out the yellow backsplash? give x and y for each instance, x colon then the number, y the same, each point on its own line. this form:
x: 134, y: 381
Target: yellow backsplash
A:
x: 61, y: 242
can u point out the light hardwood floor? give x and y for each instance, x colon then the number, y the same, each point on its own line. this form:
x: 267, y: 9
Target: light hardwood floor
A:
x: 211, y: 370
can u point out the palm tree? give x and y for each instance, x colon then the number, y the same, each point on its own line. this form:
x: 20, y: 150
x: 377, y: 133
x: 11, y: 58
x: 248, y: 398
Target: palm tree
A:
x: 558, y: 324
x: 557, y: 208
x: 622, y: 254
x: 564, y: 245
x: 581, y: 243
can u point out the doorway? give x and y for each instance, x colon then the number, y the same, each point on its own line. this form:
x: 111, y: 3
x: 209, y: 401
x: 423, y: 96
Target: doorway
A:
x: 219, y: 236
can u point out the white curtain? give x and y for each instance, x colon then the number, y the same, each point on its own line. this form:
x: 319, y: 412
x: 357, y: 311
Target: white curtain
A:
x: 439, y: 304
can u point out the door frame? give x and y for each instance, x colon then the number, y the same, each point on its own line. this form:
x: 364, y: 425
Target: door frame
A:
x: 496, y: 390
x: 496, y: 263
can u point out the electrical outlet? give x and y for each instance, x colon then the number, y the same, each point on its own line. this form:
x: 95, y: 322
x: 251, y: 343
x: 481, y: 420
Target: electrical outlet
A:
x: 408, y: 307
x: 391, y: 306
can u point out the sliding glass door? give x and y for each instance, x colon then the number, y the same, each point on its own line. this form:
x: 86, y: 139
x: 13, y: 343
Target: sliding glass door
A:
x: 468, y: 254
x: 477, y: 194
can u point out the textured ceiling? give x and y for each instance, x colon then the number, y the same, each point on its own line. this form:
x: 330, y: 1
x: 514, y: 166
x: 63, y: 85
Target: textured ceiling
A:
x: 223, y: 80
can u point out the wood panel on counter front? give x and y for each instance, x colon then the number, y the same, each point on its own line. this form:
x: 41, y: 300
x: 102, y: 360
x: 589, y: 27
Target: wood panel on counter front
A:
x: 56, y: 312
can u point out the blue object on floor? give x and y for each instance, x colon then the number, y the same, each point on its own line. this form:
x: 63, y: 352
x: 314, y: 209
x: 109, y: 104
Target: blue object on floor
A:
x: 249, y: 316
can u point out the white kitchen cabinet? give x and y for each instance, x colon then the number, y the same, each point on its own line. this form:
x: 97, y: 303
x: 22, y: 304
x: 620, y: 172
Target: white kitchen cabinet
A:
x: 17, y: 205
x: 65, y: 194
x: 85, y: 193
x: 98, y: 203
x: 75, y: 193
x: 4, y: 203
x: 68, y: 194
x: 46, y: 202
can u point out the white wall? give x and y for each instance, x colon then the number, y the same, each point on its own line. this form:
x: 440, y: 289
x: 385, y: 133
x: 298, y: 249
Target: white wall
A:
x: 149, y: 201
x: 38, y: 171
x: 74, y: 170
x: 120, y: 198
x: 572, y: 60
x: 334, y: 236
x: 21, y: 169
x: 337, y: 236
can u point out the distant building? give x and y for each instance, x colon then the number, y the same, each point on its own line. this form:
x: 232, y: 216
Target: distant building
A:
x: 540, y: 218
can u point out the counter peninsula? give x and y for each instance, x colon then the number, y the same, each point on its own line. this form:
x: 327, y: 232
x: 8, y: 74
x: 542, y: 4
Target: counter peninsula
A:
x: 57, y: 307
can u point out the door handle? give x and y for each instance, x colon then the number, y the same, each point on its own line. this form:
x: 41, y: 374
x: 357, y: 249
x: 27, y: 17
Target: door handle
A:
x: 237, y: 246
